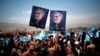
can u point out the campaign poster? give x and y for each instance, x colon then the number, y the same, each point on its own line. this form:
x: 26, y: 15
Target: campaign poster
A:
x: 57, y: 20
x: 38, y: 17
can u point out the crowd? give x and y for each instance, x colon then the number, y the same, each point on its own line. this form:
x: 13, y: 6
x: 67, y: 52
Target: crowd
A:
x: 86, y: 43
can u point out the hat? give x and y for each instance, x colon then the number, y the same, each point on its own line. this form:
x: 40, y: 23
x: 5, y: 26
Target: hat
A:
x: 76, y: 42
x: 31, y: 42
x: 91, y: 46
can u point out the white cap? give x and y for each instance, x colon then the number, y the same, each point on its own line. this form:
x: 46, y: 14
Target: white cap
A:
x: 91, y: 46
x: 31, y: 42
x: 76, y: 42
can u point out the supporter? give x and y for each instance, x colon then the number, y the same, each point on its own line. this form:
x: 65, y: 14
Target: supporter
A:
x: 91, y: 50
x: 16, y: 52
x: 51, y: 48
x: 63, y: 51
x: 57, y: 49
x: 77, y: 49
x: 43, y: 49
x: 13, y: 45
x: 30, y: 50
x: 69, y: 52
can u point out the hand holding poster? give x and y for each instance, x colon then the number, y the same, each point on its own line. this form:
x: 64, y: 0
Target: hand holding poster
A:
x: 38, y: 17
x: 57, y: 20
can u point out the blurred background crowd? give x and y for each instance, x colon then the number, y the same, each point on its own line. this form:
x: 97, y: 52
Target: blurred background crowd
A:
x: 66, y: 43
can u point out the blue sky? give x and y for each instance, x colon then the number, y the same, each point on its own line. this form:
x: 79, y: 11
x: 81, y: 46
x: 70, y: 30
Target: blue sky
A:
x: 78, y: 11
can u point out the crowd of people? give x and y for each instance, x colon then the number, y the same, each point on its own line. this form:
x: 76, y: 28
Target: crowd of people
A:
x: 73, y: 44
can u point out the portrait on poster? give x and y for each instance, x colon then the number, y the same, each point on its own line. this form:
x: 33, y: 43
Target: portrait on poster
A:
x: 57, y: 20
x: 38, y: 17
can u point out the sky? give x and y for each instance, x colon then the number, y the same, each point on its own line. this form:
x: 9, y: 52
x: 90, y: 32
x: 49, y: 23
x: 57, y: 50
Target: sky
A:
x: 78, y: 11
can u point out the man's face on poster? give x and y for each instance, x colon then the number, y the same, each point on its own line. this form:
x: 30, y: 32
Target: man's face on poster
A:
x: 57, y: 17
x: 39, y: 14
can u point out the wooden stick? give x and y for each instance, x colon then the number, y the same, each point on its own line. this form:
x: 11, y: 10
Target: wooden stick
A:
x: 57, y: 34
x: 36, y: 30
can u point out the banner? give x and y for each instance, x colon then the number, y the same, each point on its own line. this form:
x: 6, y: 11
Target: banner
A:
x: 57, y: 20
x: 38, y: 17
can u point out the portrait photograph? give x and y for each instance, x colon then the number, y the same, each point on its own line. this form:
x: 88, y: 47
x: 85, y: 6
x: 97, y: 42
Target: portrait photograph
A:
x: 57, y: 20
x: 38, y: 17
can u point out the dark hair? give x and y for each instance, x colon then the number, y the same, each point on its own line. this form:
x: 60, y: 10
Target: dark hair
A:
x: 50, y: 36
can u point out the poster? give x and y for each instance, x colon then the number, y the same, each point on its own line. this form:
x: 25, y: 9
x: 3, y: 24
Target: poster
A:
x: 57, y: 20
x: 38, y: 17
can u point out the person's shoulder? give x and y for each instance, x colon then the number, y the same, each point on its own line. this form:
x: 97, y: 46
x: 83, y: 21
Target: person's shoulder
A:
x: 25, y: 53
